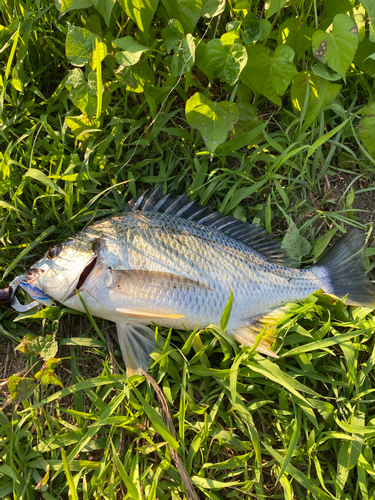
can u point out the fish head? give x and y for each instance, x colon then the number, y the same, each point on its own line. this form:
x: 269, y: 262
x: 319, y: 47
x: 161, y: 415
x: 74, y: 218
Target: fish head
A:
x: 64, y: 268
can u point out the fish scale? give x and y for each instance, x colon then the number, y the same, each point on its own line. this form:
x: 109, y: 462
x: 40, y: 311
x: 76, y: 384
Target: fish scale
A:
x: 149, y: 265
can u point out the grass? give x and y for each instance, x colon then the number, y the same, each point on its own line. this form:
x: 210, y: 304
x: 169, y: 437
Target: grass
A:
x: 244, y: 426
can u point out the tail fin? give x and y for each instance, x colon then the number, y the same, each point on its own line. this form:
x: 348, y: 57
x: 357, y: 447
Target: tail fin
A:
x: 342, y: 270
x: 137, y: 343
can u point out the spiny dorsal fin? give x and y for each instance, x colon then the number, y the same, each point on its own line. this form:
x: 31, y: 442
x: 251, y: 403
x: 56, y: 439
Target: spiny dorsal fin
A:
x: 251, y: 234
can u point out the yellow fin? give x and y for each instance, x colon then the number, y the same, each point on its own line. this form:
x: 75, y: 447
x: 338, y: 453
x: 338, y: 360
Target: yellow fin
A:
x: 247, y: 334
x: 146, y: 314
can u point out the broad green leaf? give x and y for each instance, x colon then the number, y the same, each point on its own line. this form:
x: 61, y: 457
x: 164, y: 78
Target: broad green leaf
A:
x: 83, y: 93
x: 187, y: 12
x: 172, y: 35
x: 366, y: 127
x: 369, y: 5
x: 24, y: 345
x: 39, y: 176
x: 45, y: 347
x: 334, y: 7
x: 140, y: 11
x: 247, y: 122
x: 338, y: 47
x: 104, y: 7
x: 266, y: 27
x: 79, y: 124
x: 273, y: 6
x: 184, y: 57
x: 66, y: 5
x: 320, y: 70
x: 224, y: 61
x: 296, y: 36
x: 46, y: 375
x: 268, y: 74
x: 21, y: 388
x: 295, y: 245
x: 252, y: 28
x: 50, y: 312
x: 213, y: 120
x: 138, y: 78
x: 80, y: 44
x: 212, y: 8
x: 321, y: 243
x: 132, y: 50
x: 299, y: 90
x: 364, y: 57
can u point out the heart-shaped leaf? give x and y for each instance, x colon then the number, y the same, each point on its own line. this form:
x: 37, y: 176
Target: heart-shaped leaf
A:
x: 296, y: 36
x: 268, y: 74
x: 187, y: 12
x: 213, y: 119
x: 366, y: 127
x: 338, y: 47
x: 369, y: 5
x: 212, y: 8
x: 140, y: 11
x: 295, y: 245
x: 132, y: 50
x: 83, y: 93
x: 223, y: 60
x: 80, y: 44
x: 299, y: 88
x: 21, y: 388
x: 184, y: 57
x: 46, y: 375
x: 273, y: 6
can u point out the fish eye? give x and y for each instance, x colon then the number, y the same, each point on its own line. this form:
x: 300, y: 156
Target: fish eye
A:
x: 53, y: 252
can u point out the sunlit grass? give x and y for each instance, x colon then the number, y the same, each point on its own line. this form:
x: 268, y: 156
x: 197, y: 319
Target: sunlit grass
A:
x: 302, y: 426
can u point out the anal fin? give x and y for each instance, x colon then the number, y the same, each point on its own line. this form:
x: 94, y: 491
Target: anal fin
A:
x: 268, y: 322
x: 136, y: 343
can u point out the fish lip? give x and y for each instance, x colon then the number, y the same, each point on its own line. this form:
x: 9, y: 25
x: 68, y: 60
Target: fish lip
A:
x: 33, y: 274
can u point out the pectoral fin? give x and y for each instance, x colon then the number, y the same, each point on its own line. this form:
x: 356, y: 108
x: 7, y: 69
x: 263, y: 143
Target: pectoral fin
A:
x: 247, y: 334
x: 137, y: 343
x: 126, y: 280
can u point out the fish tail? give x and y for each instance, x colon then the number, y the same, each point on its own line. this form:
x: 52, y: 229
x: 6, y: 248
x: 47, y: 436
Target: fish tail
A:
x: 137, y: 343
x: 342, y: 271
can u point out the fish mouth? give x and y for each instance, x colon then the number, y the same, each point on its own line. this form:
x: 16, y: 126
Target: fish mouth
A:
x: 85, y: 274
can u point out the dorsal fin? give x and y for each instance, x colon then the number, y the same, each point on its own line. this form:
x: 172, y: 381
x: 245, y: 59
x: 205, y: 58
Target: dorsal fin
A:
x: 251, y: 234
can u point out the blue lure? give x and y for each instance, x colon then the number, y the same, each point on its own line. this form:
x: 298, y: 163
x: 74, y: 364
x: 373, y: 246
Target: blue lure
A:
x: 38, y: 296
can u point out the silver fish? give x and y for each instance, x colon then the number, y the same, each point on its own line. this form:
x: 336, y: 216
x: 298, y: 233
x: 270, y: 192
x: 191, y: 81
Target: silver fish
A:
x: 174, y: 263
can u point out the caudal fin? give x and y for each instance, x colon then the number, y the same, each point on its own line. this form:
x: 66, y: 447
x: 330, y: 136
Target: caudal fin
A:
x: 137, y: 343
x: 342, y: 270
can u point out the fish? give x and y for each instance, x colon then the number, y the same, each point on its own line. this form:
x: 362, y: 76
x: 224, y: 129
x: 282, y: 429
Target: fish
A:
x: 172, y: 262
